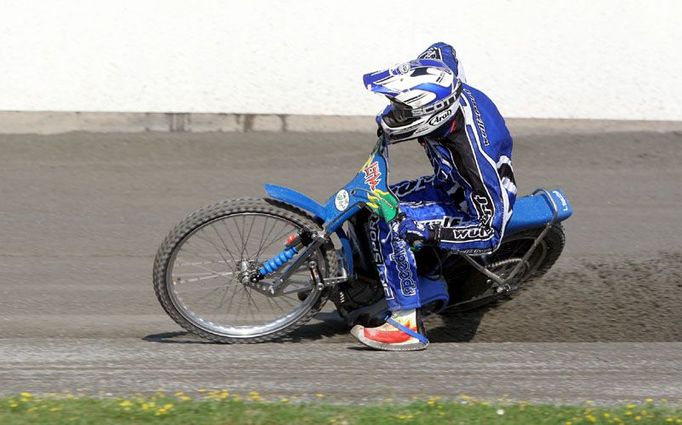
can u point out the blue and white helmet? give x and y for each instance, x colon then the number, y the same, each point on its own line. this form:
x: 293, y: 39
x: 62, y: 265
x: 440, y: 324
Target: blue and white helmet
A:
x: 424, y: 95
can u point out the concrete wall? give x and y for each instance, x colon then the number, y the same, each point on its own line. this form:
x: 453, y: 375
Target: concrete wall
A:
x: 597, y: 59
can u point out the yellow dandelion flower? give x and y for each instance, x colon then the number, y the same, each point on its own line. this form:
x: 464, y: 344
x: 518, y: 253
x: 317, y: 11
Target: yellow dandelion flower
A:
x: 125, y: 403
x: 568, y: 423
x: 148, y: 405
x: 628, y: 413
x: 433, y: 400
x: 184, y: 398
x: 649, y: 400
x: 255, y: 396
x: 607, y: 415
x: 669, y: 420
x: 631, y: 406
x: 405, y: 416
x: 500, y: 412
x: 320, y: 395
x: 591, y: 418
x: 638, y: 418
x: 13, y: 404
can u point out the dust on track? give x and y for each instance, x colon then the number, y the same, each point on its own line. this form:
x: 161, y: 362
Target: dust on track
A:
x: 618, y: 299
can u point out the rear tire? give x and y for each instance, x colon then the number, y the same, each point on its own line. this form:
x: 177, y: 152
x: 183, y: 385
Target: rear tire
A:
x: 467, y: 285
x: 221, y: 268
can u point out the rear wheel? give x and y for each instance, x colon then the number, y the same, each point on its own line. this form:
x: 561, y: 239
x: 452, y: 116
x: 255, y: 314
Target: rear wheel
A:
x: 470, y: 289
x: 197, y: 272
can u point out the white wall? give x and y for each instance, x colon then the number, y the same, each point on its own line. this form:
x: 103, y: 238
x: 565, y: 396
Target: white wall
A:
x: 564, y: 59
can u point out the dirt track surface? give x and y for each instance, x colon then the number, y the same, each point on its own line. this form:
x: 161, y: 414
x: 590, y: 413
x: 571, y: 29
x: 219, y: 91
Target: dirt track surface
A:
x: 541, y: 373
x: 82, y: 216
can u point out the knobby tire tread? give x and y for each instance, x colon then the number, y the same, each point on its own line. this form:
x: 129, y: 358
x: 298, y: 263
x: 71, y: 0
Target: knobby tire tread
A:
x: 212, y: 212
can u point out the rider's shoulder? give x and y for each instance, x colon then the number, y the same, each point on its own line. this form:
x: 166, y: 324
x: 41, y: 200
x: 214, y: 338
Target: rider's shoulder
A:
x: 483, y: 112
x: 479, y: 102
x: 470, y: 92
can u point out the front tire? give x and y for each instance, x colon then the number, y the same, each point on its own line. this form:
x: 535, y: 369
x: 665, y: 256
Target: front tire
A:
x: 197, y: 267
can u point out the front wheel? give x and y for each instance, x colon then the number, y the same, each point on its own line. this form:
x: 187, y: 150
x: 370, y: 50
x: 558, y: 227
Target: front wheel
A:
x: 197, y: 272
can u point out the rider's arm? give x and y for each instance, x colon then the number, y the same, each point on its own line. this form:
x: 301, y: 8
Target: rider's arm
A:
x: 481, y: 228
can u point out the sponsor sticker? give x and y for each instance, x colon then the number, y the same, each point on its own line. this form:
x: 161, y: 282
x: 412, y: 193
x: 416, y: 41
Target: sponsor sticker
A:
x: 408, y: 284
x: 478, y: 118
x: 438, y: 119
x: 342, y: 199
x: 372, y: 175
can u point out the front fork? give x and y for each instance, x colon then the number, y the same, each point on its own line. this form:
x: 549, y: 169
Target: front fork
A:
x: 304, y: 244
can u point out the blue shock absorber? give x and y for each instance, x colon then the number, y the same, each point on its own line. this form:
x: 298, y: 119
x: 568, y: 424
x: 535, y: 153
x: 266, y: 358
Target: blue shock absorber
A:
x: 277, y: 261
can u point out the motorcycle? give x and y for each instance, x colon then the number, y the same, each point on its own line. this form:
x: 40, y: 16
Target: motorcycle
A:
x: 254, y: 270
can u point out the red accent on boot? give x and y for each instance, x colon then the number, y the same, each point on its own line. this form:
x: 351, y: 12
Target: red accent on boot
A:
x: 387, y: 337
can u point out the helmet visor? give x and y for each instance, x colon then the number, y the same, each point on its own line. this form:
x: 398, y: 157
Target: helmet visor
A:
x: 400, y: 115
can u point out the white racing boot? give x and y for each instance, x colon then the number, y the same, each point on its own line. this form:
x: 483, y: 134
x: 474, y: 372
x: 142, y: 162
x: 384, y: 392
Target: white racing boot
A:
x: 402, y: 331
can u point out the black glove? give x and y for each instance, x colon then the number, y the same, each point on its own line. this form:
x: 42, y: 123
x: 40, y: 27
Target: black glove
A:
x: 414, y: 233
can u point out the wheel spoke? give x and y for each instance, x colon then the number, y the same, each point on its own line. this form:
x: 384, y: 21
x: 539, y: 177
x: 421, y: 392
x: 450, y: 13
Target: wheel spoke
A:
x: 207, y: 266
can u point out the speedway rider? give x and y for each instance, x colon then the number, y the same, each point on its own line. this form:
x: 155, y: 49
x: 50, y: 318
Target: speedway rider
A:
x: 464, y: 206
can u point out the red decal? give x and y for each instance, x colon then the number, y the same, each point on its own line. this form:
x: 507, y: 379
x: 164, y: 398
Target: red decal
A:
x: 372, y: 175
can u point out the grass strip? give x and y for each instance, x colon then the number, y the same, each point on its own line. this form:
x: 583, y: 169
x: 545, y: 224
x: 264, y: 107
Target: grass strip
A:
x: 222, y: 408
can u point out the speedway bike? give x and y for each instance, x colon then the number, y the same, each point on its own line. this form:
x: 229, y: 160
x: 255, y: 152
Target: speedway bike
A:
x: 257, y: 269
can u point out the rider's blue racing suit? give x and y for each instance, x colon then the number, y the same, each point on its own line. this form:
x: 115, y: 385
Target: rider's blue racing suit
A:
x: 466, y: 203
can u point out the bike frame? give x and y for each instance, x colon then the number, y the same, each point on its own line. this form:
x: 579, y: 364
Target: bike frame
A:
x: 370, y: 189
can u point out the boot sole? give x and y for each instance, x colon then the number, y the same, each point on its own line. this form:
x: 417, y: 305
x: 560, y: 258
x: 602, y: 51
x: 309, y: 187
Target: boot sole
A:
x: 416, y: 346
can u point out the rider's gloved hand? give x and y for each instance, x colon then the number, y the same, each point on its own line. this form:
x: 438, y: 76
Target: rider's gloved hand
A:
x: 414, y: 233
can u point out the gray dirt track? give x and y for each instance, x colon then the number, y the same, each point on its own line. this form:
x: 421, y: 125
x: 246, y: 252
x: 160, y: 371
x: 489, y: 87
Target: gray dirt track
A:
x: 82, y: 215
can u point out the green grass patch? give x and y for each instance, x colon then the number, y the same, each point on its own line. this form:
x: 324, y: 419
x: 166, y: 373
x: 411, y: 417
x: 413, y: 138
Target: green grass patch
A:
x: 223, y: 408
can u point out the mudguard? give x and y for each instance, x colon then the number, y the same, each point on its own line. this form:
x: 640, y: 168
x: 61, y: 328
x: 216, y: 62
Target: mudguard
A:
x: 299, y: 200
x: 533, y: 211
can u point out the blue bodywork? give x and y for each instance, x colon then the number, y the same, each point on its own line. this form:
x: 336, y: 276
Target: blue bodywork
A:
x: 530, y: 212
x: 370, y: 189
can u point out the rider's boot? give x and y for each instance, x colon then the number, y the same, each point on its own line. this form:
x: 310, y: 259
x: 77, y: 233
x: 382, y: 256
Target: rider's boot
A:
x: 403, y: 331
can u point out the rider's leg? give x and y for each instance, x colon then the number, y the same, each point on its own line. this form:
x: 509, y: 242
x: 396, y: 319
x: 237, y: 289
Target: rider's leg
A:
x: 398, y: 275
